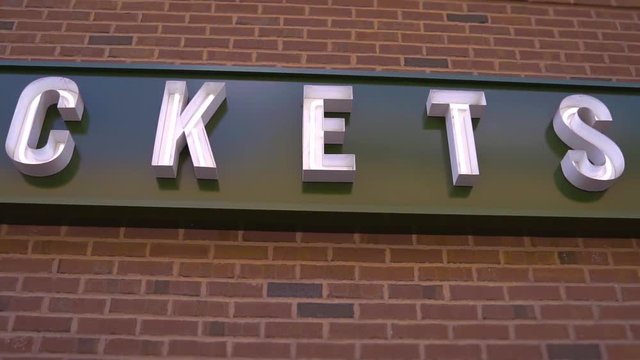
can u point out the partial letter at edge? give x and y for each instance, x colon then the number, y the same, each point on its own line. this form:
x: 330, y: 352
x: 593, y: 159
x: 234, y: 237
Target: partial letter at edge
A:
x: 27, y: 122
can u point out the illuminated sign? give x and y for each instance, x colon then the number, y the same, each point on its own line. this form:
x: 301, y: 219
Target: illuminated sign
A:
x: 189, y: 146
x: 594, y: 164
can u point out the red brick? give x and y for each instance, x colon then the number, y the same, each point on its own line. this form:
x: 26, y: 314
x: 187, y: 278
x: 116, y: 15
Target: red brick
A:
x: 107, y: 326
x: 231, y: 328
x: 77, y: 266
x: 356, y: 254
x: 145, y: 268
x: 296, y: 330
x: 151, y: 233
x: 377, y: 60
x: 304, y: 45
x: 240, y: 252
x: 600, y: 331
x: 530, y: 258
x: 278, y: 58
x: 169, y: 327
x: 206, y: 269
x: 328, y: 59
x: 173, y: 287
x: 415, y: 256
x: 630, y: 258
x: 605, y: 242
x: 16, y: 344
x: 234, y: 289
x: 353, y: 47
x: 623, y: 351
x: 507, y: 351
x: 11, y: 303
x: 96, y: 4
x: 30, y: 230
x: 179, y: 250
x: 139, y: 306
x: 261, y: 350
x: 502, y: 274
x: 8, y: 283
x: 559, y: 275
x: 619, y: 312
x: 476, y: 292
x: 325, y: 350
x: 473, y: 256
x: 197, y: 348
x: 349, y: 330
x: 11, y: 246
x: 388, y: 351
x: 411, y: 291
x: 508, y: 312
x: 42, y: 323
x: 541, y: 331
x: 452, y: 351
x: 442, y: 240
x: 332, y: 238
x: 481, y: 332
x: 77, y: 305
x: 329, y: 272
x: 267, y: 271
x: 445, y: 273
x: 630, y: 293
x: 69, y: 345
x: 591, y: 293
x: 355, y: 291
x: 326, y: 34
x: 126, y: 346
x: 25, y: 265
x: 200, y: 308
x: 533, y: 292
x: 388, y: 311
x: 389, y: 273
x: 583, y: 257
x: 51, y: 284
x: 120, y: 248
x: 566, y: 312
x: 112, y: 286
x: 331, y: 12
x: 419, y: 331
x: 386, y: 239
x: 551, y: 241
x: 262, y: 310
x: 300, y: 253
x: 614, y: 275
x: 207, y: 234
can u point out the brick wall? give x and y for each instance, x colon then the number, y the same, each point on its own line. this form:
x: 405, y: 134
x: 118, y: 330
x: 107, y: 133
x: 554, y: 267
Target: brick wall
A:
x: 132, y: 291
x: 594, y: 38
x: 76, y: 292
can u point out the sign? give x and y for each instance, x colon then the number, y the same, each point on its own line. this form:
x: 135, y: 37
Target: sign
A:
x: 278, y: 148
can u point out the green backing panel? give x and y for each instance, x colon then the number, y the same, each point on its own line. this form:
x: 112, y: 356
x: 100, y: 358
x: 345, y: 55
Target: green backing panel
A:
x: 403, y: 180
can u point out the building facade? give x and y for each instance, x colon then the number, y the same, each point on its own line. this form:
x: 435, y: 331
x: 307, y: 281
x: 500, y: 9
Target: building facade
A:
x: 72, y: 291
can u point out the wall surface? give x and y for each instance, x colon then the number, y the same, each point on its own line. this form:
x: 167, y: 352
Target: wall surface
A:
x: 81, y: 292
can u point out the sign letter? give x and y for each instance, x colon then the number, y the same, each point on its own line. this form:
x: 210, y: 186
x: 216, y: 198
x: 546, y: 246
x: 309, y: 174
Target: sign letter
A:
x: 596, y: 161
x: 458, y: 107
x: 27, y: 122
x: 318, y: 131
x: 180, y: 122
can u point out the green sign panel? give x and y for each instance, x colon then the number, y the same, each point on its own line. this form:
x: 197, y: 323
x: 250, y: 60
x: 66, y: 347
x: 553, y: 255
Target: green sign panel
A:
x: 403, y: 179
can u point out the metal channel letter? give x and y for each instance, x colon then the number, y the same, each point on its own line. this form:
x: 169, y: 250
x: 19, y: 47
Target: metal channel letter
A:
x: 318, y: 131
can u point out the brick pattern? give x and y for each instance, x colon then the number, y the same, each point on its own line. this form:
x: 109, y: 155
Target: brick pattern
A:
x: 124, y: 293
x: 552, y: 38
x: 128, y: 292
